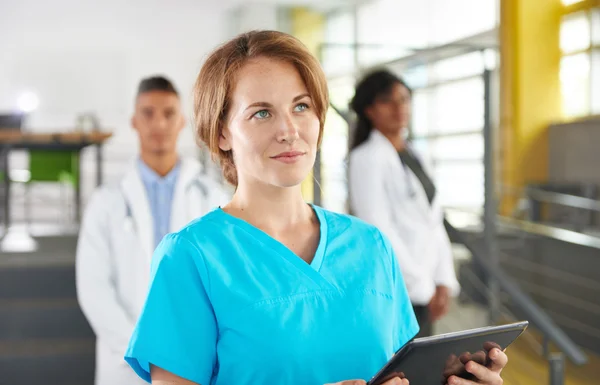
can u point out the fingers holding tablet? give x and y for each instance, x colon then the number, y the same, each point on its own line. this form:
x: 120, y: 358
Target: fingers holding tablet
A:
x: 447, y: 358
x: 497, y: 357
x: 482, y: 374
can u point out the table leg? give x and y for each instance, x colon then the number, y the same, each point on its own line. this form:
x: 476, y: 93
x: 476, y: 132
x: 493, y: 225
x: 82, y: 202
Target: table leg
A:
x: 99, y: 162
x: 6, y: 171
x: 78, y: 190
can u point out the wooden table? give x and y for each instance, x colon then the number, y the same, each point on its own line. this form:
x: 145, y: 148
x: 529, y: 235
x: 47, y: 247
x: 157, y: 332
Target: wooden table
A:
x: 58, y: 141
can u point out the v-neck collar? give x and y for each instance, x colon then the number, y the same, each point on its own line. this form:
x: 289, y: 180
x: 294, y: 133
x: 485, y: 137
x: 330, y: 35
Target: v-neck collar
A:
x: 279, y: 247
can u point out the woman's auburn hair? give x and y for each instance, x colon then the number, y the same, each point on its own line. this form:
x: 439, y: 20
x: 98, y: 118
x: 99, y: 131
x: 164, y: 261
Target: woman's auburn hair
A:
x: 216, y: 80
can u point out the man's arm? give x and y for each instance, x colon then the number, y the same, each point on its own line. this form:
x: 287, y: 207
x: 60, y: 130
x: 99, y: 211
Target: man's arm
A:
x: 96, y: 290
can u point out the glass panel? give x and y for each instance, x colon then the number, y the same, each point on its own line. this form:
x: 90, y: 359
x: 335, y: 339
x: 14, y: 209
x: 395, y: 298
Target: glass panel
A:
x: 341, y: 91
x: 458, y: 66
x: 575, y: 32
x: 334, y: 149
x: 490, y: 58
x: 421, y: 113
x: 595, y: 82
x: 391, y: 29
x: 596, y: 26
x: 459, y: 184
x: 575, y: 84
x: 422, y: 147
x: 458, y: 147
x: 448, y: 20
x: 415, y: 77
x: 337, y: 60
x: 338, y: 57
x: 339, y: 28
x: 457, y: 106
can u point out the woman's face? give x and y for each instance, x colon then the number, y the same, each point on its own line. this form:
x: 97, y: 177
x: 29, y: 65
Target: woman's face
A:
x: 272, y: 127
x: 390, y: 112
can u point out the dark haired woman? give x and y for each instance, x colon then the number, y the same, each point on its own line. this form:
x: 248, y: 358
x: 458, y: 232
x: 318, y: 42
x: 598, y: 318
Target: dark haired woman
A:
x: 391, y: 189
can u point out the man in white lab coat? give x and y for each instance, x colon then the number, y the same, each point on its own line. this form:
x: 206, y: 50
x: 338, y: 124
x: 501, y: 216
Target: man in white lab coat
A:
x: 159, y: 193
x: 390, y: 188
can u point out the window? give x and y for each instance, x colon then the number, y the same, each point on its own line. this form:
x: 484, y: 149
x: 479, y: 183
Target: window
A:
x: 338, y: 54
x: 575, y: 83
x: 334, y: 148
x: 595, y: 81
x: 448, y: 21
x: 390, y: 29
x: 575, y: 32
x: 447, y: 125
x: 595, y: 26
x: 580, y: 64
x: 448, y: 98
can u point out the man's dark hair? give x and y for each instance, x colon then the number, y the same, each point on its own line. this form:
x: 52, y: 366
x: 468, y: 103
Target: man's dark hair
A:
x: 156, y: 83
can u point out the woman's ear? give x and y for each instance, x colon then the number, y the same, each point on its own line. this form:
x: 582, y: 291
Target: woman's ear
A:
x: 369, y: 112
x: 225, y: 140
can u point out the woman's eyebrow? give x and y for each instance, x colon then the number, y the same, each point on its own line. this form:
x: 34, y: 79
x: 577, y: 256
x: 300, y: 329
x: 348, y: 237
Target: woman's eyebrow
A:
x: 269, y: 105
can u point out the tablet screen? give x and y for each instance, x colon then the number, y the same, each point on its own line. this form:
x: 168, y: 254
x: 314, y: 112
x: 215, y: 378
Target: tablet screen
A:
x: 432, y: 360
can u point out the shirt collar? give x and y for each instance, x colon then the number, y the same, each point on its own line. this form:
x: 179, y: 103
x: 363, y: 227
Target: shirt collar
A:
x: 149, y: 176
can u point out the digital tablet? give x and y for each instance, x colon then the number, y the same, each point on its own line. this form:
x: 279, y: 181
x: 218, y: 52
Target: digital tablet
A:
x: 432, y: 360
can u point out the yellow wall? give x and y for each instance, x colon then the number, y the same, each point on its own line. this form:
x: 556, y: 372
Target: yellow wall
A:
x: 530, y: 88
x: 309, y: 27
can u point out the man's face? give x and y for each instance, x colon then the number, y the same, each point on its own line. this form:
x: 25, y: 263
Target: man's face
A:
x: 158, y: 121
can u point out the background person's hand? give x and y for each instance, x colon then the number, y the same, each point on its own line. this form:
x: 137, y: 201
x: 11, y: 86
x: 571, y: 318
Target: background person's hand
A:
x: 439, y: 304
x: 393, y: 381
x: 484, y: 374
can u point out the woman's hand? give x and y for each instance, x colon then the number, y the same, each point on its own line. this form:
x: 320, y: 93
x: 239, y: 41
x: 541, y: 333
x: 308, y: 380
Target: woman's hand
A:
x: 393, y: 381
x: 488, y: 374
x: 439, y: 304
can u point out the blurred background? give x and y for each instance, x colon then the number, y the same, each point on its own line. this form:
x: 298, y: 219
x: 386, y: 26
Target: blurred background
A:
x: 506, y: 97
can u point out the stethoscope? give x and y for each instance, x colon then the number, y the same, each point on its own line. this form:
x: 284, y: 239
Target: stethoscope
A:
x: 129, y: 223
x: 410, y: 187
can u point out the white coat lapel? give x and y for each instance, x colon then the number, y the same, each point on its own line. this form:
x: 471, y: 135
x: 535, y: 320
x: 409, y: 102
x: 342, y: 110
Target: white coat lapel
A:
x: 186, y: 205
x: 406, y: 183
x: 137, y: 200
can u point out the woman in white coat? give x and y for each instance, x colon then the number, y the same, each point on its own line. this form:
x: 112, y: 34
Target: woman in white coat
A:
x: 160, y: 192
x: 390, y: 187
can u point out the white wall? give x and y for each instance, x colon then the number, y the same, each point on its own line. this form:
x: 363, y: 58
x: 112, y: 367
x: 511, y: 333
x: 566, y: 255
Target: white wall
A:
x: 250, y: 15
x: 84, y: 55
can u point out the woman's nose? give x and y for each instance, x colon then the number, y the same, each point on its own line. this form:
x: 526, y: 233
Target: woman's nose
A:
x: 288, y: 131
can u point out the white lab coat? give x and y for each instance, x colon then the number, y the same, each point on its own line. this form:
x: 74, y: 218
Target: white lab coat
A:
x: 386, y: 194
x: 113, y: 258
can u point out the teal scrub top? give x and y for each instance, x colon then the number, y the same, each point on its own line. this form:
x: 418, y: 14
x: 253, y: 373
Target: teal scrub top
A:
x: 228, y: 304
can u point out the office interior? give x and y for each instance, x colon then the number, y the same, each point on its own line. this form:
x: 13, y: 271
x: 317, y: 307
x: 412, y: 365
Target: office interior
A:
x: 506, y: 106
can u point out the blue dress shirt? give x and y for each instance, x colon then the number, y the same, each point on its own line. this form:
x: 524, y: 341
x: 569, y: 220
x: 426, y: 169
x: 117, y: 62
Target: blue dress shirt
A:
x: 160, y: 192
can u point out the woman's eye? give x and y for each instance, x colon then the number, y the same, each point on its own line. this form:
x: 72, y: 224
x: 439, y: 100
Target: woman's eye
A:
x: 301, y: 107
x: 262, y: 114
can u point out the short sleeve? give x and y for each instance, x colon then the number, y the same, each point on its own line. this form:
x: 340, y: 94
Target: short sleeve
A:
x: 176, y: 330
x: 406, y: 321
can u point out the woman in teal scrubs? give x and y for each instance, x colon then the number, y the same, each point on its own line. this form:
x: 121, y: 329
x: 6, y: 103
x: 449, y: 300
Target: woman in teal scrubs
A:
x: 269, y: 289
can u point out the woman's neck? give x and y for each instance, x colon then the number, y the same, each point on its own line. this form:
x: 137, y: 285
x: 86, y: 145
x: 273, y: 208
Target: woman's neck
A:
x: 270, y: 208
x: 397, y: 141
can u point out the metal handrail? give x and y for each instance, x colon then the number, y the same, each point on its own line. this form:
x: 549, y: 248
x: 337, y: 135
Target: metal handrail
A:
x: 552, y: 197
x: 552, y: 232
x: 564, y: 199
x: 544, y: 230
x: 525, y: 304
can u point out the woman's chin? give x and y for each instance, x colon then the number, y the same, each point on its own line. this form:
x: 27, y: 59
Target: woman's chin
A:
x: 289, y: 179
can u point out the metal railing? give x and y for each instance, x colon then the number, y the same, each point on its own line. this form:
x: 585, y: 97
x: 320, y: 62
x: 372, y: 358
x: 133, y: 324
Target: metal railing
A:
x: 523, y: 302
x: 552, y: 232
x: 563, y: 199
